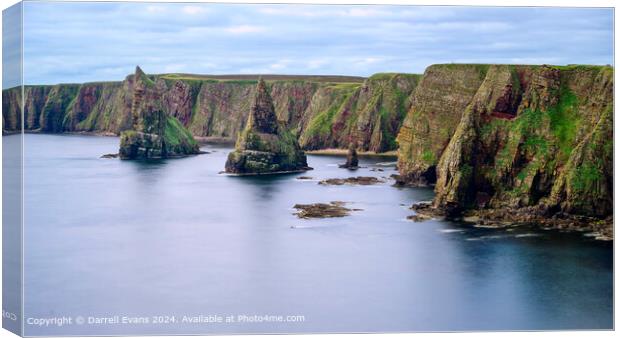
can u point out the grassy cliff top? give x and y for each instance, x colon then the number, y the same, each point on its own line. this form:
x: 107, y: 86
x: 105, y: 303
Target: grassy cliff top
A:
x: 266, y: 77
x: 486, y: 65
x: 389, y: 76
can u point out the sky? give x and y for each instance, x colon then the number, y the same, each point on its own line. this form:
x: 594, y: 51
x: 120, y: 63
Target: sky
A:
x: 80, y: 42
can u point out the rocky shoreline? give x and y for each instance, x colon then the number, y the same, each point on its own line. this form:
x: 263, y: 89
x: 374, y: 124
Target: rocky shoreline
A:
x: 601, y: 229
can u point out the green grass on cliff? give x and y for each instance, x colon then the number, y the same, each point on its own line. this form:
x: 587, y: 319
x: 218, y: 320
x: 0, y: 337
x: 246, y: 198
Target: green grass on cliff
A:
x: 60, y: 98
x: 428, y: 156
x: 582, y: 67
x: 585, y: 177
x: 545, y: 138
x: 522, y: 130
x: 383, y: 76
x: 344, y: 85
x: 564, y: 119
x: 321, y: 124
x: 175, y: 134
x: 482, y: 68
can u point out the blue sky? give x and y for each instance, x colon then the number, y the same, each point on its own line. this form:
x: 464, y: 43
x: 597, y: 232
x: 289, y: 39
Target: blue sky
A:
x: 79, y: 42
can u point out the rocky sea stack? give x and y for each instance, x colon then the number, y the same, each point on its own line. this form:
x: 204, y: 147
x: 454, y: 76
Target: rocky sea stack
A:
x: 352, y: 161
x: 265, y: 145
x: 155, y: 134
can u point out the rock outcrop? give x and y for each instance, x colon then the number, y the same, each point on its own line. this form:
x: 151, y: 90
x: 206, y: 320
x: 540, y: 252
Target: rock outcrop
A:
x: 352, y: 160
x: 155, y: 134
x: 265, y: 146
x: 359, y: 180
x: 537, y: 138
x: 320, y: 111
x: 323, y: 210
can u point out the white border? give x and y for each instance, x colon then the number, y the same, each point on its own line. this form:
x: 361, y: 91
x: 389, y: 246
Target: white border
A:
x: 515, y: 3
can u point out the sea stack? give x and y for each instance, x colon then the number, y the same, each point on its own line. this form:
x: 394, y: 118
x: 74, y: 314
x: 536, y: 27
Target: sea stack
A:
x: 265, y: 146
x: 155, y: 134
x: 352, y: 162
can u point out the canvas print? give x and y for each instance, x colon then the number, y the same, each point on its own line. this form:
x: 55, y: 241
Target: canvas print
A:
x: 211, y: 168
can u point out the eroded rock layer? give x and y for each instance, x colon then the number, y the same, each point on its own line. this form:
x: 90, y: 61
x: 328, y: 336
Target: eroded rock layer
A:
x: 513, y: 137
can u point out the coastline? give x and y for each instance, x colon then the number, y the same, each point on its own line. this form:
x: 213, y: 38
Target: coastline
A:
x: 199, y: 139
x: 343, y: 152
x: 600, y: 229
x: 215, y: 140
x: 493, y: 218
x: 266, y: 173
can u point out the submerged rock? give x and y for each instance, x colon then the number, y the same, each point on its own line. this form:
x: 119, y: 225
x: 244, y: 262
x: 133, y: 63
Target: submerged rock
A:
x: 323, y: 210
x: 265, y: 145
x: 352, y: 161
x: 419, y: 217
x: 154, y: 134
x: 425, y: 210
x: 109, y: 156
x: 359, y: 180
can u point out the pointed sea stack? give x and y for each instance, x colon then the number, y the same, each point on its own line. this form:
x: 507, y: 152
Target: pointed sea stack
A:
x: 352, y: 162
x: 265, y: 146
x: 154, y: 134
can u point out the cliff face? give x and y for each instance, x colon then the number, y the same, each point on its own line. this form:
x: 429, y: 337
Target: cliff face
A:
x: 370, y: 114
x: 436, y: 109
x: 534, y: 137
x: 322, y: 112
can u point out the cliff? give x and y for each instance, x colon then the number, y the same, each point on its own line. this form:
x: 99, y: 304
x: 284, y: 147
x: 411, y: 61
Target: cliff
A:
x: 436, y: 109
x: 506, y: 137
x: 265, y: 145
x: 526, y: 140
x: 154, y: 133
x: 370, y: 114
x: 321, y: 111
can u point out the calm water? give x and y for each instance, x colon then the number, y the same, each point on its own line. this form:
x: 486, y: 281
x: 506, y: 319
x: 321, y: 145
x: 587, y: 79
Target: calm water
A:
x: 105, y: 237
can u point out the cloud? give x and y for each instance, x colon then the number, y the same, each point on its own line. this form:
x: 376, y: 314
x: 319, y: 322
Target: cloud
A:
x: 368, y: 61
x: 280, y: 65
x: 193, y: 10
x: 362, y: 12
x: 317, y: 63
x: 155, y: 9
x: 245, y: 29
x: 97, y: 41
